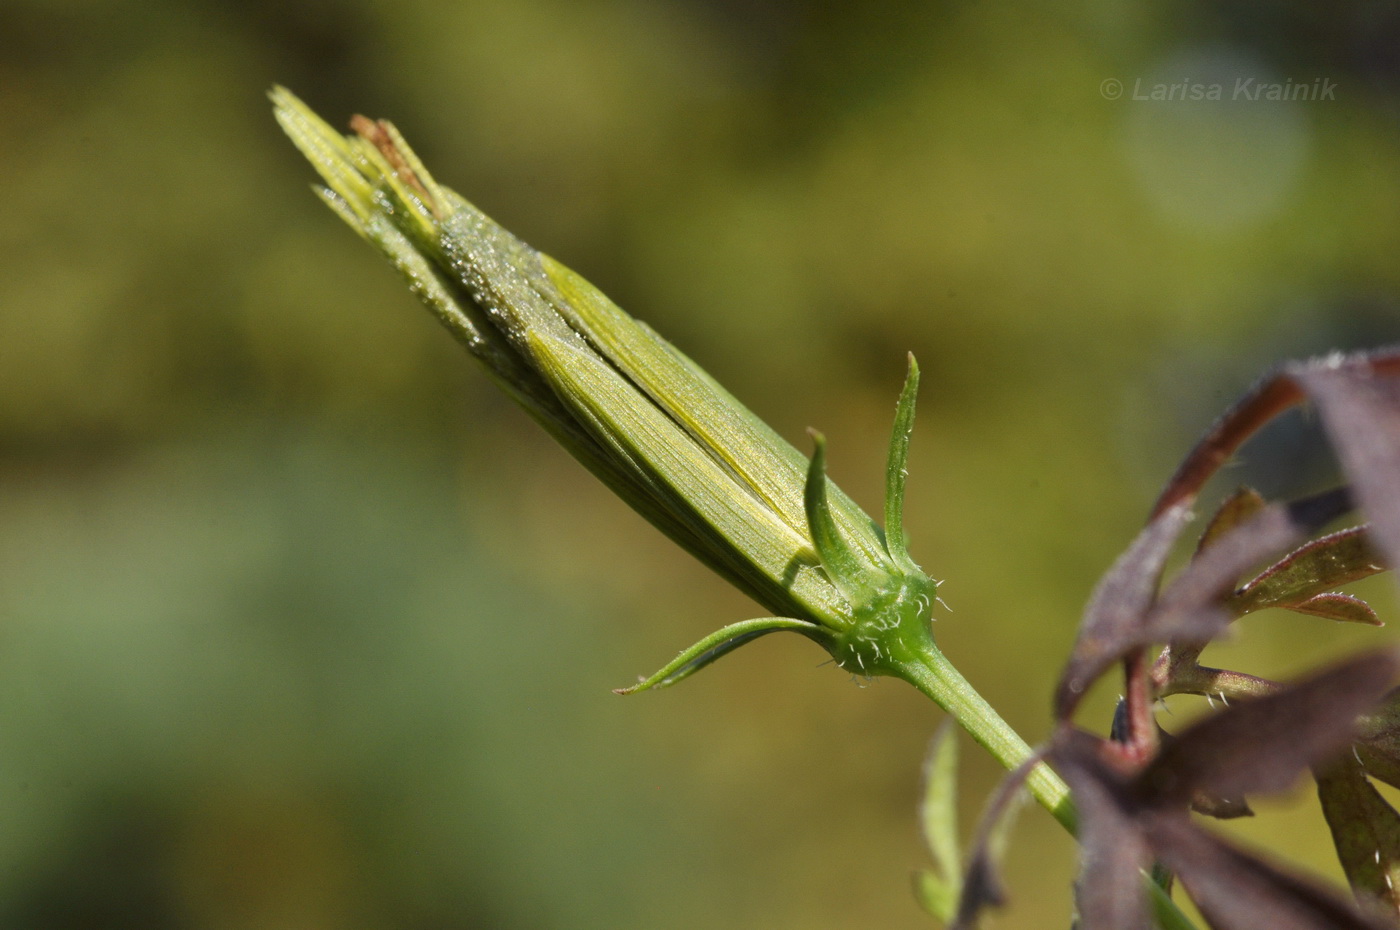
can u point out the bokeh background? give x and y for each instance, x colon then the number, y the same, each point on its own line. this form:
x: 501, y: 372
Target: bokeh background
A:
x: 302, y: 625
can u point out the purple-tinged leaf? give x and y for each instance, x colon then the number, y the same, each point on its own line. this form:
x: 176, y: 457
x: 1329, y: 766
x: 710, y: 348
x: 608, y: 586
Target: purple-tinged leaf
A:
x: 1266, y: 400
x: 1273, y: 394
x: 1112, y: 852
x: 1366, y: 832
x: 1191, y: 608
x: 1264, y: 744
x: 981, y: 888
x: 1234, y: 510
x: 1203, y: 802
x: 1359, y: 400
x: 981, y: 885
x: 1341, y: 607
x: 1314, y: 568
x: 1378, y: 742
x: 1116, y: 610
x: 1236, y: 891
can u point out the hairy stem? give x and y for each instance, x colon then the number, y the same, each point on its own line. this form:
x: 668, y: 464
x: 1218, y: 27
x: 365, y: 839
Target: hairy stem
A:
x: 935, y: 676
x: 1217, y: 682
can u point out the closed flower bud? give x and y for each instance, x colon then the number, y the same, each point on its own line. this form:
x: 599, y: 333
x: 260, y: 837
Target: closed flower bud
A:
x: 640, y: 415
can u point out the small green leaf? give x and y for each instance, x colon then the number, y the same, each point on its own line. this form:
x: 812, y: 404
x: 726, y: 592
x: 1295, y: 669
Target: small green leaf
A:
x: 719, y: 643
x: 1314, y: 568
x: 1365, y: 830
x: 1342, y: 607
x: 1234, y: 510
x: 938, y: 815
x: 897, y: 471
x: 936, y: 896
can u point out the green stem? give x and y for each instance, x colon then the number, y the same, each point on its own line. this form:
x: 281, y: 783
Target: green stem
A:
x: 931, y: 672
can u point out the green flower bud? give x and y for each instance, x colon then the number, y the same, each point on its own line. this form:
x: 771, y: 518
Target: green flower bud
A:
x: 645, y: 419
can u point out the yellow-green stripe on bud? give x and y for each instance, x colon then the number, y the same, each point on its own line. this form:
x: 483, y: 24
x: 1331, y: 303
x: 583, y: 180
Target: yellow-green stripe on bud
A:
x: 640, y: 415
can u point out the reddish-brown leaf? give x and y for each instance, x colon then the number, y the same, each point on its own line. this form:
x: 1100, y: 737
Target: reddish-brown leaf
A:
x: 1335, y: 606
x: 1272, y: 395
x: 1117, y: 608
x: 1234, y: 510
x: 1203, y: 802
x: 1275, y: 393
x: 1112, y: 851
x: 1313, y: 568
x: 1365, y: 830
x: 1236, y: 891
x: 1378, y: 743
x: 1358, y: 398
x: 1191, y: 608
x: 981, y: 885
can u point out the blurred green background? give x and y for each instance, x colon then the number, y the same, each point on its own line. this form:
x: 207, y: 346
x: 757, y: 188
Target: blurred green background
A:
x: 302, y: 625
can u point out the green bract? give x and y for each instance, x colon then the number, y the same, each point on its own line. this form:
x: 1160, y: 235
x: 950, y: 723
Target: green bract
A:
x: 641, y: 416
